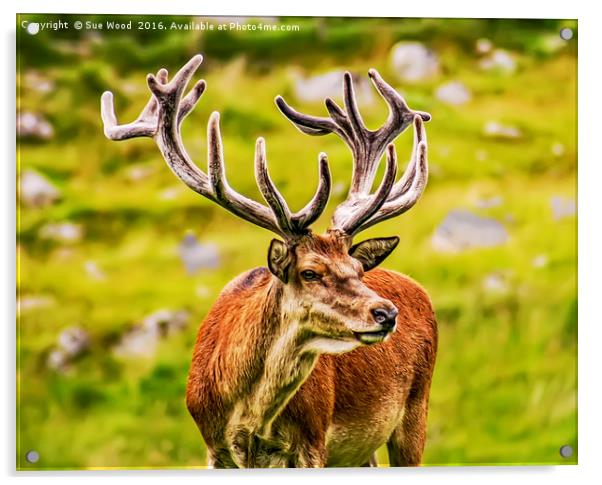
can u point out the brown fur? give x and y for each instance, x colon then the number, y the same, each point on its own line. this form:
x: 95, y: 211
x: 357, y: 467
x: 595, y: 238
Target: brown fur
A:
x: 341, y: 409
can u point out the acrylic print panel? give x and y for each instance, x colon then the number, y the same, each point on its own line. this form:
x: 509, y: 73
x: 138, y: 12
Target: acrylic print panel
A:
x: 322, y: 353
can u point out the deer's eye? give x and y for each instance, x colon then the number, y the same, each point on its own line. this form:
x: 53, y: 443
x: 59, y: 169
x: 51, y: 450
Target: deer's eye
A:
x: 309, y: 275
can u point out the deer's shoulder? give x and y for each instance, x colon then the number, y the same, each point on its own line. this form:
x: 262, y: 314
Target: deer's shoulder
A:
x: 249, y: 281
x: 391, y: 284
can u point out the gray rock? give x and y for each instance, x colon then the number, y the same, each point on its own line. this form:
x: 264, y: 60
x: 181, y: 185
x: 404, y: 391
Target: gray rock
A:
x: 170, y: 193
x: 330, y: 85
x: 196, y: 256
x: 62, y: 232
x: 499, y: 60
x: 143, y: 338
x: 36, y: 190
x: 33, y: 125
x: 562, y: 207
x: 202, y: 291
x: 166, y: 322
x: 500, y: 131
x: 71, y: 343
x: 483, y: 46
x: 34, y: 80
x: 94, y: 271
x: 462, y: 230
x: 140, y: 171
x: 489, y: 203
x: 33, y: 302
x: 496, y: 283
x: 540, y: 261
x: 558, y: 149
x: 454, y: 93
x: 57, y: 360
x: 74, y: 341
x: 138, y: 342
x: 412, y: 61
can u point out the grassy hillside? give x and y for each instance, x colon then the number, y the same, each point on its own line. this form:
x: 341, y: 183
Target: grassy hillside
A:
x: 505, y: 383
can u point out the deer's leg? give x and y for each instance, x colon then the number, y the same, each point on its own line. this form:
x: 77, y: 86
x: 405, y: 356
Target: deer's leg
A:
x: 308, y: 459
x: 406, y: 443
x: 219, y: 459
x: 372, y: 462
x: 310, y: 455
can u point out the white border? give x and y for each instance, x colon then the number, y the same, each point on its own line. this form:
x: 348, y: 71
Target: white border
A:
x: 374, y: 8
x: 590, y: 240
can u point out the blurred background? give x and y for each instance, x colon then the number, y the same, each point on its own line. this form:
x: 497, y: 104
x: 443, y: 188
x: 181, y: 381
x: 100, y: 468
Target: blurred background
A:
x: 118, y: 262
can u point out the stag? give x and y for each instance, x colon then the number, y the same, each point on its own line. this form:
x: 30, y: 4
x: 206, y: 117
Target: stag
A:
x: 320, y: 358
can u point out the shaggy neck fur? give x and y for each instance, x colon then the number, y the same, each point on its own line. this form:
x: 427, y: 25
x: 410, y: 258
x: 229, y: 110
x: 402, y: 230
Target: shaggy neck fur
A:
x: 282, y: 361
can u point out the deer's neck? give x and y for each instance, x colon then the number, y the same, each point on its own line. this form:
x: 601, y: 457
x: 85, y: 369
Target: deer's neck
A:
x: 282, y: 362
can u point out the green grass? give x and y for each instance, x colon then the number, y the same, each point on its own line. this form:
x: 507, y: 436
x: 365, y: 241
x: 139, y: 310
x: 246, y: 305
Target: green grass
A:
x: 505, y: 383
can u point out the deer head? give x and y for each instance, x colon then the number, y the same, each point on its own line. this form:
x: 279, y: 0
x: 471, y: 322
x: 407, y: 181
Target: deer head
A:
x: 320, y: 276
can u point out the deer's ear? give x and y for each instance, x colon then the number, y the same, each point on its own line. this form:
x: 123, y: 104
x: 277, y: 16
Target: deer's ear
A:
x: 279, y: 259
x: 372, y: 252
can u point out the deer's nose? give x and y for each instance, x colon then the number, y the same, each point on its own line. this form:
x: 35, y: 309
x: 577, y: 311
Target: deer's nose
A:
x: 385, y: 317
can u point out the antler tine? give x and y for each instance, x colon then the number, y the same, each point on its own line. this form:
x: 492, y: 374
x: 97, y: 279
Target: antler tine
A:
x: 279, y: 219
x: 355, y: 118
x: 361, y: 208
x: 269, y: 191
x: 350, y: 215
x: 178, y: 84
x: 310, y: 125
x: 144, y: 126
x: 170, y: 93
x: 147, y: 123
x: 223, y: 194
x: 190, y: 100
x: 410, y: 187
x: 161, y: 118
x: 291, y: 223
x: 170, y: 112
x: 112, y: 130
x: 342, y: 122
x: 403, y: 184
x: 310, y: 213
x: 400, y: 115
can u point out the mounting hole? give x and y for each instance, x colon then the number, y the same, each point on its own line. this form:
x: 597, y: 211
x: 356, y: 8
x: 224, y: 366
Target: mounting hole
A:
x: 32, y: 456
x: 566, y: 34
x: 33, y: 28
x: 566, y: 451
